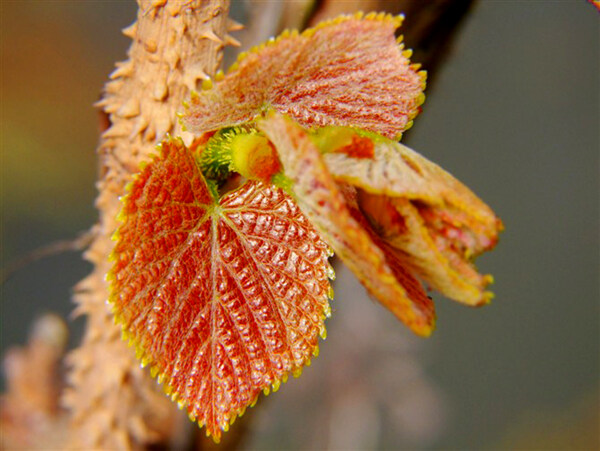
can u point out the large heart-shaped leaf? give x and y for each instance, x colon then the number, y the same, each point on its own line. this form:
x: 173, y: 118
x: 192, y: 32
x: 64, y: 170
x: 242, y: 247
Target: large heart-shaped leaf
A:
x: 346, y: 71
x: 223, y: 298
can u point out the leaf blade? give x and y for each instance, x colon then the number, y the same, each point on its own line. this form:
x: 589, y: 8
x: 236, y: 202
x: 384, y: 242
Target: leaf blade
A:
x: 232, y: 305
x: 347, y: 71
x: 437, y: 223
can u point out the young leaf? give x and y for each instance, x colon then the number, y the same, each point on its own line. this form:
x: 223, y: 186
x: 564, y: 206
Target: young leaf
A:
x: 341, y: 224
x: 347, y: 71
x: 239, y: 149
x: 436, y: 222
x: 223, y: 298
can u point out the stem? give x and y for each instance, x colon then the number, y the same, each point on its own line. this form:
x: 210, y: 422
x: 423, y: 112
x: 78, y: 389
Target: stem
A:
x: 114, y: 404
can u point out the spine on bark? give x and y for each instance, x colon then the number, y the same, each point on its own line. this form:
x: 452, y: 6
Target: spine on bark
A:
x: 176, y: 45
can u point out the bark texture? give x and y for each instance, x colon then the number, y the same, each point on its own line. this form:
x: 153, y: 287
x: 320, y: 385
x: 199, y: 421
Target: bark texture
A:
x: 30, y: 414
x: 114, y: 404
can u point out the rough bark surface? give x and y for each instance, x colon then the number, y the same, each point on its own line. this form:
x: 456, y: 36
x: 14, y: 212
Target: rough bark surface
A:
x: 30, y: 415
x: 114, y: 403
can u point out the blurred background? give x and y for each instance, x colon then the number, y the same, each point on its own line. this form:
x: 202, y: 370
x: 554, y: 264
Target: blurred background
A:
x: 514, y: 114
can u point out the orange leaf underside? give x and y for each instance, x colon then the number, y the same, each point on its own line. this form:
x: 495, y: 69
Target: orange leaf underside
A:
x: 395, y: 261
x: 348, y: 71
x: 435, y: 223
x: 337, y: 218
x: 223, y: 299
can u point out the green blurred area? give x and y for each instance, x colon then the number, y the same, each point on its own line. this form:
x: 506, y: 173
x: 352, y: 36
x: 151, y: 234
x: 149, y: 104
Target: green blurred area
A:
x: 514, y: 114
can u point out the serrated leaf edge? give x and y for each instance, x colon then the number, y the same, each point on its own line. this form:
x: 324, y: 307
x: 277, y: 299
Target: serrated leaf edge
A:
x: 396, y: 20
x: 146, y: 360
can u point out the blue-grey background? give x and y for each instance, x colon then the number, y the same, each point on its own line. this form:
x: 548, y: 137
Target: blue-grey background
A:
x: 514, y: 114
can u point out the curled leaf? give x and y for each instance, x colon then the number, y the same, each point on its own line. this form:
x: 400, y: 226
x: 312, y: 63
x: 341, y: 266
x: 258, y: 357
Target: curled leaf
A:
x: 336, y: 216
x: 436, y: 222
x: 239, y: 149
x: 347, y: 71
x: 222, y: 298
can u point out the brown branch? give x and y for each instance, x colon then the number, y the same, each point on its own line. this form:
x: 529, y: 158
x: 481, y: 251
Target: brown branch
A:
x: 114, y: 404
x: 57, y: 247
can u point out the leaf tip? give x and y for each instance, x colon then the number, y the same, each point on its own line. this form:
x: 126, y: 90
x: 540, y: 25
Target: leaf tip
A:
x: 233, y: 67
x: 330, y: 295
x: 323, y: 333
x: 207, y: 84
x: 276, y: 384
x: 424, y: 331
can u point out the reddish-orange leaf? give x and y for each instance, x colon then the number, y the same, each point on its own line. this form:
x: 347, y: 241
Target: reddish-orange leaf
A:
x: 336, y: 216
x: 347, y: 71
x: 436, y: 222
x: 394, y: 260
x: 222, y: 298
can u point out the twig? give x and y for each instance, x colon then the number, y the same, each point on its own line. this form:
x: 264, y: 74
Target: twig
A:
x: 78, y: 244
